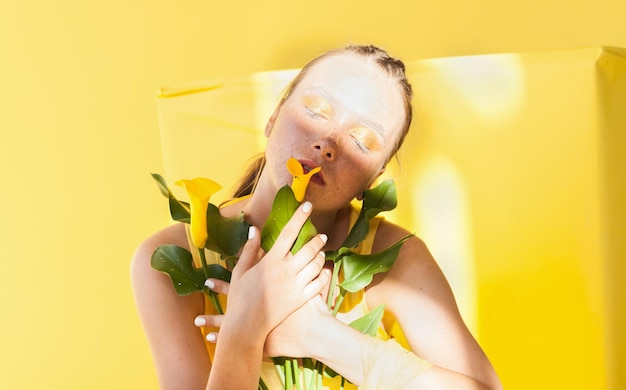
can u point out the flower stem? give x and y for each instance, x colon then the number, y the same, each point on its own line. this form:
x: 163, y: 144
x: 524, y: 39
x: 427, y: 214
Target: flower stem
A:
x: 333, y: 284
x: 309, y: 373
x: 296, y: 373
x: 288, y: 375
x: 279, y: 364
x: 319, y: 366
x: 216, y: 302
x: 212, y: 294
x: 205, y: 267
x: 342, y: 294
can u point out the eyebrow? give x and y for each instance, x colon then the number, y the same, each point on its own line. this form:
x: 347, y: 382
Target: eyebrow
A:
x: 365, y: 122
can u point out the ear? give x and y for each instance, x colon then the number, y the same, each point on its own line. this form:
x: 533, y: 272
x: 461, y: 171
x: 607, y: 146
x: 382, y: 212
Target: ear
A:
x: 270, y: 122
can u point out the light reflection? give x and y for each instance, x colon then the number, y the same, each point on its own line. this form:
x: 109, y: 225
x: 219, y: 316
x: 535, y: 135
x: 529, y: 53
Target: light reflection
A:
x: 442, y: 212
x: 493, y: 86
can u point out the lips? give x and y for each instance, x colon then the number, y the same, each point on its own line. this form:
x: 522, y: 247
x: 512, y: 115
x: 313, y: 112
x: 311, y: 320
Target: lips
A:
x: 307, y: 166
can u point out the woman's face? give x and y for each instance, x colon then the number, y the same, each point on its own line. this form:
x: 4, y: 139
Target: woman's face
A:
x: 345, y: 116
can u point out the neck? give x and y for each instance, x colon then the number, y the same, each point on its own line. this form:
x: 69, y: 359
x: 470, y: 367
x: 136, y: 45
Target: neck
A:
x: 332, y: 223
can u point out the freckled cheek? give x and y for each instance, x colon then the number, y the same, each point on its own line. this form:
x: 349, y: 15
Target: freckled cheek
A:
x: 293, y: 127
x: 366, y: 168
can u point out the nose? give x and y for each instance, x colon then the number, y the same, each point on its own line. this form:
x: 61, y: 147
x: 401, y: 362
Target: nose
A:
x: 327, y: 147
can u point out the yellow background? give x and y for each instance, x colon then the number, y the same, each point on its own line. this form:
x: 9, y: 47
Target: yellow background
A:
x: 79, y: 136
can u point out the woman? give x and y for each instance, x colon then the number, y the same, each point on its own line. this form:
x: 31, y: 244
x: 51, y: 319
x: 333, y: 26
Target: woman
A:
x: 346, y: 112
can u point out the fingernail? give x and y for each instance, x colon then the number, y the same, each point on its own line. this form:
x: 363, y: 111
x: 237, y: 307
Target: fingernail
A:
x: 200, y: 321
x: 324, y: 238
x: 211, y: 337
x: 307, y: 206
x: 251, y: 233
x: 323, y: 254
x: 209, y: 284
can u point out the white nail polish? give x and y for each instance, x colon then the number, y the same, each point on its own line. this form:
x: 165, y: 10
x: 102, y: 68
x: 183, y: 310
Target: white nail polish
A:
x: 324, y: 238
x: 211, y: 337
x: 251, y: 233
x: 307, y: 206
x: 209, y: 284
x: 200, y: 321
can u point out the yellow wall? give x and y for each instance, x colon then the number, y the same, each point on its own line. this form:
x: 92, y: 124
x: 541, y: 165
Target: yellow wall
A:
x: 79, y: 135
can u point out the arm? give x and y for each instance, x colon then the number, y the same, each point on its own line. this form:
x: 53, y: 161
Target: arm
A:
x: 419, y: 296
x: 262, y: 293
x: 178, y: 351
x: 416, y: 292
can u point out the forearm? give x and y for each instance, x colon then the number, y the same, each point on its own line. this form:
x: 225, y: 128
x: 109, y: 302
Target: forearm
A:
x: 237, y: 361
x: 373, y: 363
x: 338, y: 346
x: 368, y: 362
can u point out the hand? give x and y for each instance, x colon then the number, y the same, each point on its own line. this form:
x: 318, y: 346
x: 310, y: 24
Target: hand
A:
x: 263, y: 292
x: 213, y: 321
x: 297, y: 334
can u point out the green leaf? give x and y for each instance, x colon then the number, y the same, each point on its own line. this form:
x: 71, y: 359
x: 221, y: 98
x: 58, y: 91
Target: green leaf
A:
x: 178, y: 210
x: 177, y: 262
x: 226, y: 236
x: 360, y: 269
x: 370, y: 322
x: 283, y: 208
x: 380, y: 198
x: 216, y: 271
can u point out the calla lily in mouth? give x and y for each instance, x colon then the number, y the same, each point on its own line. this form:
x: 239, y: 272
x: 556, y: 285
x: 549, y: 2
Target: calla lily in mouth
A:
x: 300, y: 177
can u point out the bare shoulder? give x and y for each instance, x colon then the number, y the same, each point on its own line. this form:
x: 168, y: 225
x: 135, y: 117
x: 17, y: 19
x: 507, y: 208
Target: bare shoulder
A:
x: 141, y: 269
x: 415, y: 265
x: 147, y: 282
x: 173, y: 234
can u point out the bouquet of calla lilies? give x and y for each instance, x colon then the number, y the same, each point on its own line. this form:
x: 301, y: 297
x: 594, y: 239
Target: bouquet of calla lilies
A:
x: 224, y: 237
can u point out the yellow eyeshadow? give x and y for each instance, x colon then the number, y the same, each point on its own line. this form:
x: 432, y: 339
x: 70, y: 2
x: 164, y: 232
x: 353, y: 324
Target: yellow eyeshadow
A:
x: 318, y: 105
x: 366, y: 137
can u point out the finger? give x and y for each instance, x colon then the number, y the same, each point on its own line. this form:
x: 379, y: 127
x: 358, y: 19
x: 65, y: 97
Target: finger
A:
x: 218, y: 286
x: 249, y: 253
x: 212, y: 337
x: 326, y: 276
x: 309, y: 251
x: 292, y: 228
x: 312, y: 270
x: 209, y: 321
x: 318, y: 285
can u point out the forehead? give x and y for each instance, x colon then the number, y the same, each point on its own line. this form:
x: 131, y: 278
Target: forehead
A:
x: 359, y: 85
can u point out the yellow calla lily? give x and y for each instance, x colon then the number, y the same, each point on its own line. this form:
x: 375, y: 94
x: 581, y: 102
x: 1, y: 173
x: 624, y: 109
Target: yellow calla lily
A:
x: 300, y: 179
x: 199, y: 191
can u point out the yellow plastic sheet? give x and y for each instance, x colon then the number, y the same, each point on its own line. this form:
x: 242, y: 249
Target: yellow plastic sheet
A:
x: 513, y: 173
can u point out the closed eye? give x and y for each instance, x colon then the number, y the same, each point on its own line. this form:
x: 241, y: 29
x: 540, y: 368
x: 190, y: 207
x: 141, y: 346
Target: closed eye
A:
x: 365, y: 138
x: 316, y: 113
x: 358, y: 141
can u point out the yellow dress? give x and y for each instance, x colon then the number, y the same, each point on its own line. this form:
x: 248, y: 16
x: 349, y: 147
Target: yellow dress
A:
x: 354, y: 306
